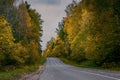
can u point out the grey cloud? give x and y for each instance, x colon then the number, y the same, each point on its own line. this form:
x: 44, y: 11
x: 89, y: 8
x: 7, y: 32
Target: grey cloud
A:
x: 49, y: 2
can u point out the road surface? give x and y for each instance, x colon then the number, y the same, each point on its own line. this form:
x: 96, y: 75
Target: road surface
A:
x: 57, y: 70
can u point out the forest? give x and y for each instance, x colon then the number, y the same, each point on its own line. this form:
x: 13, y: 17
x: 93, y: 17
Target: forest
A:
x: 20, y: 35
x: 89, y: 32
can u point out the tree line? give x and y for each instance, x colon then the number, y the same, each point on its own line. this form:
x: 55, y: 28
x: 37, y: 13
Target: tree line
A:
x: 90, y: 31
x: 20, y: 34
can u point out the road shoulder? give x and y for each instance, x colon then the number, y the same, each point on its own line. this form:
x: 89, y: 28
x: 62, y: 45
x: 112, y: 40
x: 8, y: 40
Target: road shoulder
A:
x: 34, y: 75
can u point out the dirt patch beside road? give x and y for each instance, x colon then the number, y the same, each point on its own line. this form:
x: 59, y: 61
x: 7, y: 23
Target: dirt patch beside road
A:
x: 34, y: 75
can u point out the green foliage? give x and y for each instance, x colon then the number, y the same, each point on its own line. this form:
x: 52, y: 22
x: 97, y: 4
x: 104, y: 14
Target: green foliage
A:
x: 60, y: 31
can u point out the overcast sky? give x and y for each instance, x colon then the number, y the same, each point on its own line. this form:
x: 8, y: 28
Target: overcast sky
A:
x: 52, y: 12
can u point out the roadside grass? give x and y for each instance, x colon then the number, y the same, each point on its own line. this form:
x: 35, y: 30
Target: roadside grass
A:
x: 88, y: 64
x: 19, y: 72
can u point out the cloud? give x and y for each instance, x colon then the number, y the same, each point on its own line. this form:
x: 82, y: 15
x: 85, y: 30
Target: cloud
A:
x: 47, y: 2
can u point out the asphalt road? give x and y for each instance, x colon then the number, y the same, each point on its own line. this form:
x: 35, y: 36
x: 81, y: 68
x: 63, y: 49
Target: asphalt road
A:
x: 57, y: 70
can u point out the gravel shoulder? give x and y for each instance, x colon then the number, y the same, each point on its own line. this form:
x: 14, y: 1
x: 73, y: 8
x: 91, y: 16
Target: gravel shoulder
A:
x: 34, y: 75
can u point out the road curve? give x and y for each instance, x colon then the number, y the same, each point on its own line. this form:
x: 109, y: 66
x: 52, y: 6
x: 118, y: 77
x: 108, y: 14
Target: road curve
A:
x: 57, y: 70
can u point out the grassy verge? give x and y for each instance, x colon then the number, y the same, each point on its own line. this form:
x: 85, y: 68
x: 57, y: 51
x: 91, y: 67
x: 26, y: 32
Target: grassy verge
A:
x: 19, y: 72
x: 88, y: 64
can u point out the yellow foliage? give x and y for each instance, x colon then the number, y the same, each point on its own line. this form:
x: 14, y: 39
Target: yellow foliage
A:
x: 2, y: 21
x: 19, y: 54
